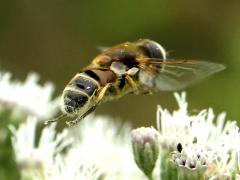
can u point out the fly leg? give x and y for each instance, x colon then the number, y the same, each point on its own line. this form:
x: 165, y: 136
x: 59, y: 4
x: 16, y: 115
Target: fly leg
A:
x: 136, y: 89
x: 132, y: 84
x: 75, y: 121
x: 102, y: 93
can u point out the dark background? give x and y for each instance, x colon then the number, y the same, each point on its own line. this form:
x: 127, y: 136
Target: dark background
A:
x: 57, y: 38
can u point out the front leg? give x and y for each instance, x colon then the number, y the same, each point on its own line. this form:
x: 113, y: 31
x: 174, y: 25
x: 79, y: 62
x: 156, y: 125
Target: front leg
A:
x: 75, y: 121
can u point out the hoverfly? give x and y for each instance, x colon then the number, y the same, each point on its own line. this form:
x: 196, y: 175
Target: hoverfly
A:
x: 138, y: 67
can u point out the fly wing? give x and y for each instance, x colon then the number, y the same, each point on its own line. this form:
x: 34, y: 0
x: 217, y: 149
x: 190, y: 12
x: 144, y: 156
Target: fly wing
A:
x: 102, y: 48
x: 174, y: 75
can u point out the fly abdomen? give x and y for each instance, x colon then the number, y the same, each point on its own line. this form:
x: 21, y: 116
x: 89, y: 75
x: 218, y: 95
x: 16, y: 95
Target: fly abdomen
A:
x: 76, y: 95
x: 74, y: 100
x: 102, y: 76
x: 84, y: 84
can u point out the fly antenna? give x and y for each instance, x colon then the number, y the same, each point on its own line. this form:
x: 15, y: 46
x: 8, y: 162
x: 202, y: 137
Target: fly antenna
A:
x: 55, y: 119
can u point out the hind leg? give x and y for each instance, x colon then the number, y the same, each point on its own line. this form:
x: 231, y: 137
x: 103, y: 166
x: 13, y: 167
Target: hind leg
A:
x: 102, y: 93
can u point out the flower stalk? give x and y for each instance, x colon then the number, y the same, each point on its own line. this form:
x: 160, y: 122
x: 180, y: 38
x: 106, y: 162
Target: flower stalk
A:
x: 167, y: 168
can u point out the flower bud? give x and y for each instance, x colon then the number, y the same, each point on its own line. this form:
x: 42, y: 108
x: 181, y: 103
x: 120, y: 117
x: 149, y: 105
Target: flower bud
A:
x: 145, y: 143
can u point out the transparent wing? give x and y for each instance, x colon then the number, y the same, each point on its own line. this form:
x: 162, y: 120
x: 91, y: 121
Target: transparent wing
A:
x: 102, y: 48
x: 172, y: 75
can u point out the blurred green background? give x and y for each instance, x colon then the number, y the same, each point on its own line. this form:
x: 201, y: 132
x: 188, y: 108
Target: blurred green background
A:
x: 57, y: 38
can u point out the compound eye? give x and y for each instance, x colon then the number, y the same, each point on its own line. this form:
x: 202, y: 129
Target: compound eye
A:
x: 152, y: 49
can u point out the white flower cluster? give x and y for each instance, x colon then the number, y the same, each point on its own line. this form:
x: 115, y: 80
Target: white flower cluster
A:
x: 63, y: 169
x: 105, y: 144
x: 28, y: 96
x: 197, y: 141
x: 192, y: 157
x: 95, y: 148
x: 98, y: 148
x: 32, y: 155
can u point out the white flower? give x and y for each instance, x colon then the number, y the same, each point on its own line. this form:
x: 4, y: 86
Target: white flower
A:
x: 74, y: 170
x: 31, y: 155
x: 191, y: 157
x: 106, y: 145
x: 202, y: 142
x: 96, y: 148
x: 201, y: 145
x: 29, y: 96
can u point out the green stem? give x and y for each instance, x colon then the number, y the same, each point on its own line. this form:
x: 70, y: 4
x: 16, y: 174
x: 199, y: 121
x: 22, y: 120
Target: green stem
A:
x: 150, y: 177
x: 188, y: 175
x: 168, y: 170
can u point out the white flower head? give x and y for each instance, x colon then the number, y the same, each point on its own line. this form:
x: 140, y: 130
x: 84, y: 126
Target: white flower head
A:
x: 29, y: 96
x: 106, y: 145
x: 40, y: 156
x: 97, y: 147
x: 203, y: 143
x: 191, y: 157
x: 63, y: 169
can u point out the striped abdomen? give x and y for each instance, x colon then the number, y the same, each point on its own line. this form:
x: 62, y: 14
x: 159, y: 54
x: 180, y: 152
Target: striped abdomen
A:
x: 83, y: 86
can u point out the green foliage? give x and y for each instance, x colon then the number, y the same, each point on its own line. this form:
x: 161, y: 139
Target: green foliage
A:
x: 8, y: 167
x: 168, y: 170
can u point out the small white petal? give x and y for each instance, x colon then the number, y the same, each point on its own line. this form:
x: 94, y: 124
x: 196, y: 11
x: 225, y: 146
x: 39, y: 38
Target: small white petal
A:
x: 204, y: 138
x: 29, y: 96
